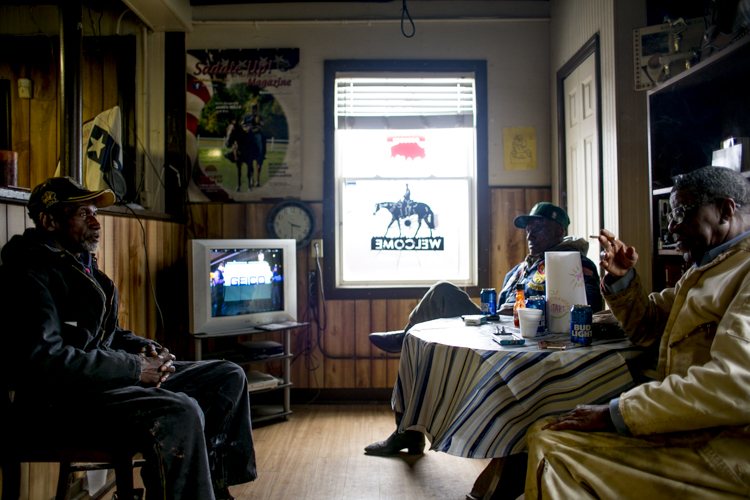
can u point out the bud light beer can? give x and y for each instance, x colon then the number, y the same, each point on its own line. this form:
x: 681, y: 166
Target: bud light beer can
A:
x: 581, y: 317
x: 539, y: 302
x: 488, y: 297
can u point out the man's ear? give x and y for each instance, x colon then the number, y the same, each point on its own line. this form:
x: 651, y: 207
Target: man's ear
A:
x: 48, y: 222
x: 559, y: 232
x: 728, y: 208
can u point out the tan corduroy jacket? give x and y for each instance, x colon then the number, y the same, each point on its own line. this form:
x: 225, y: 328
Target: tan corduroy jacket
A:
x: 703, y: 325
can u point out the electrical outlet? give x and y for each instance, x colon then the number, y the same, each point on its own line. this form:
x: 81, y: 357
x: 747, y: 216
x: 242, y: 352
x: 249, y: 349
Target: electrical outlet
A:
x: 312, y: 288
x: 316, y: 248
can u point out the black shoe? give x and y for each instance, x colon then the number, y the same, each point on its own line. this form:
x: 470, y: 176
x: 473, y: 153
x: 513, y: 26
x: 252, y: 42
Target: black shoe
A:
x: 388, y: 341
x: 413, y: 441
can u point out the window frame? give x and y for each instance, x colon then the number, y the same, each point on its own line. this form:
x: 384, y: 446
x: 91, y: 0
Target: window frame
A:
x: 331, y: 68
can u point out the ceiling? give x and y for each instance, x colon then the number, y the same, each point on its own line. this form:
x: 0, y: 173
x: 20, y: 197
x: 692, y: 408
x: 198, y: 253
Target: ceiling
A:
x: 196, y: 3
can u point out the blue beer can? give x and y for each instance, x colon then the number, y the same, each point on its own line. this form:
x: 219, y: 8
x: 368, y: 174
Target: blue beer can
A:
x: 539, y: 302
x: 488, y: 297
x: 581, y: 317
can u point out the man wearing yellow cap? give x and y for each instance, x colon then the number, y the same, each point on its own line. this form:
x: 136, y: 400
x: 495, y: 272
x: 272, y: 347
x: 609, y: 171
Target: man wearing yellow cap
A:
x: 73, y: 370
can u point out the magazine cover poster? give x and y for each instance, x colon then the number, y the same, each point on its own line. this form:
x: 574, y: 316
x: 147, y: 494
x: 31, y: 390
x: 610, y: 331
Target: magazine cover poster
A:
x: 243, y: 124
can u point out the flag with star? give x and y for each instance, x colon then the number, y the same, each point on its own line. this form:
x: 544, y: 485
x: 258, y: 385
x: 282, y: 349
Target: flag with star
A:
x: 102, y: 163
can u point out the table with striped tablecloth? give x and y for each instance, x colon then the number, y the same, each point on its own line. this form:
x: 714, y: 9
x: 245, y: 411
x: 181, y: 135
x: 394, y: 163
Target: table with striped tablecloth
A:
x: 474, y: 398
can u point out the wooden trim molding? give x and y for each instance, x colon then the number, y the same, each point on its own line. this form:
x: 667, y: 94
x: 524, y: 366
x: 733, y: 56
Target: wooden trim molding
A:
x: 590, y: 47
x: 479, y: 68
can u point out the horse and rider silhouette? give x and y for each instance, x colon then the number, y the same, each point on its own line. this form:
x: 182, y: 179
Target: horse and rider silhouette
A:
x: 248, y: 144
x: 406, y: 208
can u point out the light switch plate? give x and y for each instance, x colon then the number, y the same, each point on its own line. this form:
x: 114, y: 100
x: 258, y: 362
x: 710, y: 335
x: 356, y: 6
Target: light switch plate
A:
x: 25, y: 88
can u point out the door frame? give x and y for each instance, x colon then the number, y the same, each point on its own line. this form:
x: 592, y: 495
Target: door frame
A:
x: 589, y: 48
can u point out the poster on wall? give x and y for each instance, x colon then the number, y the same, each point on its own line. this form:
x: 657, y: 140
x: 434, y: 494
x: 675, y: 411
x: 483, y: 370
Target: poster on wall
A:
x: 243, y: 124
x: 519, y: 148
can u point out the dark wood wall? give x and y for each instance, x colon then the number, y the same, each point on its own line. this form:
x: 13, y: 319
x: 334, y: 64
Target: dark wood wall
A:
x: 349, y: 322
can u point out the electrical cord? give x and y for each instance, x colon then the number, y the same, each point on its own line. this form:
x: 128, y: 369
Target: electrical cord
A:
x: 318, y: 343
x: 405, y: 12
x: 322, y: 294
x: 148, y: 267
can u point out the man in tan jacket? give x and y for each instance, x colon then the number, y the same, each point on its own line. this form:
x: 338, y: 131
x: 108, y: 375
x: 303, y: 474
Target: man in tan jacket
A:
x: 688, y: 434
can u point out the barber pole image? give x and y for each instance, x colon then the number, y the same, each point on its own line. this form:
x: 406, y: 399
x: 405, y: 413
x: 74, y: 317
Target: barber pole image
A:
x: 581, y: 318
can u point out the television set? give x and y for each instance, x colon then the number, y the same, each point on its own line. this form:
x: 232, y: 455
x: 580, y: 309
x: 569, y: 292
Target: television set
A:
x: 238, y: 285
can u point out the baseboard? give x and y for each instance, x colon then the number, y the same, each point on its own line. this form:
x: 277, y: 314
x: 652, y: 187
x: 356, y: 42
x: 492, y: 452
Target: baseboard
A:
x: 341, y: 396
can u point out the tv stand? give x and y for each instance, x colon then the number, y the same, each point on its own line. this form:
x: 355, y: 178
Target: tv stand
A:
x: 259, y: 413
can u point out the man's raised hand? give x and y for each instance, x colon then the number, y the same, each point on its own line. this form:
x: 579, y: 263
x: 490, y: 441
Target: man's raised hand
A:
x: 616, y: 257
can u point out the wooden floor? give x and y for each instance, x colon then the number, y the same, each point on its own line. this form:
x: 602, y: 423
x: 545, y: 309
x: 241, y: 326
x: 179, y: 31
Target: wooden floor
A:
x: 318, y: 454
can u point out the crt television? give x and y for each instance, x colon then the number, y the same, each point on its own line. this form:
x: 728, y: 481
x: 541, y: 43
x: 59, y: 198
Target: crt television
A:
x: 237, y: 285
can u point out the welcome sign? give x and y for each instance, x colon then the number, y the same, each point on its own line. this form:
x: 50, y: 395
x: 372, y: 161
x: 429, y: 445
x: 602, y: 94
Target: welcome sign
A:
x: 406, y: 205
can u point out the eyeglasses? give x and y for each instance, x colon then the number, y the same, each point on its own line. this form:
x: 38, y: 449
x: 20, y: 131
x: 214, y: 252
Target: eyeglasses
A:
x: 678, y: 214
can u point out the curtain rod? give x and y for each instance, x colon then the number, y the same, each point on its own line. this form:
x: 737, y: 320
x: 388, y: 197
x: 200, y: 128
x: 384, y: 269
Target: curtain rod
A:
x: 370, y: 21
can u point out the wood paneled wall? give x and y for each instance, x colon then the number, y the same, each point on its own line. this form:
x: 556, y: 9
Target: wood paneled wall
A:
x: 34, y: 122
x: 349, y: 322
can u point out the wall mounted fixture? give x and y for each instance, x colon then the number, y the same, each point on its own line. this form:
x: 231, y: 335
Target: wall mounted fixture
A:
x: 25, y: 88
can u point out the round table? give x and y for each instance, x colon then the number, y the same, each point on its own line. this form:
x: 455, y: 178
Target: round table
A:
x: 474, y: 398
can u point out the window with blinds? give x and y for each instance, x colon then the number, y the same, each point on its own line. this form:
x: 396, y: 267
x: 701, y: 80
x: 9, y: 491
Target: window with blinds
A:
x: 405, y: 180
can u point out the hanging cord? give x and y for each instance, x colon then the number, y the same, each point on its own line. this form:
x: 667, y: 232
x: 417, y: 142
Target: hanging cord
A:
x: 405, y: 12
x: 313, y: 306
x: 148, y: 267
x: 318, y: 344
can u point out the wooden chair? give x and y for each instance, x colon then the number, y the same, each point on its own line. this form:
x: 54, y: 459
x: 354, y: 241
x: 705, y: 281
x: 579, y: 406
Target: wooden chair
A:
x: 73, y: 452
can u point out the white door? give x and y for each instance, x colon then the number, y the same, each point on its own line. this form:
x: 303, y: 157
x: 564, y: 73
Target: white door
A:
x: 582, y: 154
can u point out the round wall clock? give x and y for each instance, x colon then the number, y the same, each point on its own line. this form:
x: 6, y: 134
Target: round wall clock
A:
x: 292, y: 219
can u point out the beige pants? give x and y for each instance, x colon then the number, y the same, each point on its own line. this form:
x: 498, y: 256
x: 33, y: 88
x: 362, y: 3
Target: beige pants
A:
x: 576, y: 465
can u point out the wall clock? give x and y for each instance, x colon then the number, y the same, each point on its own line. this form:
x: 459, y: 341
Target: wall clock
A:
x: 292, y: 219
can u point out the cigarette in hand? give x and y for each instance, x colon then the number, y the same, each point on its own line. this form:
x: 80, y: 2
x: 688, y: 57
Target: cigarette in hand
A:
x: 595, y: 237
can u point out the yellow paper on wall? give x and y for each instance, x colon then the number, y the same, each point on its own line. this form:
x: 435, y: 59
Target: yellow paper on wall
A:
x: 519, y: 147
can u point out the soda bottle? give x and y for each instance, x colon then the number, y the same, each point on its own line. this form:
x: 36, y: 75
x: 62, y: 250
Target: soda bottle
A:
x: 520, y: 302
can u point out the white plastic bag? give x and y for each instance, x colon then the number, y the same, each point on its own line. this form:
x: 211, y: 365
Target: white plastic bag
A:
x: 565, y: 288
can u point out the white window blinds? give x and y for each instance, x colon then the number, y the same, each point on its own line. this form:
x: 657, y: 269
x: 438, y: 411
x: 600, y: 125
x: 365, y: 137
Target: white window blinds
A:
x: 441, y: 102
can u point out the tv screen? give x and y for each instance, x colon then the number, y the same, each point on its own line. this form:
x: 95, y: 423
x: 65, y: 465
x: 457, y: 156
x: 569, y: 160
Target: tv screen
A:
x: 246, y: 280
x: 237, y: 285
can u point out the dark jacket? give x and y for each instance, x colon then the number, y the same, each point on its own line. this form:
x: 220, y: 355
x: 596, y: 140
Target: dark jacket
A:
x: 531, y: 272
x: 60, y: 323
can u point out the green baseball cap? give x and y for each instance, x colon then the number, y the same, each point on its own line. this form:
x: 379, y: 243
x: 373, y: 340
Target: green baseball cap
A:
x: 544, y: 210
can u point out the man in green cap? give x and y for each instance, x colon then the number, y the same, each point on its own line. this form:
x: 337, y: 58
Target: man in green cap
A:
x: 545, y: 228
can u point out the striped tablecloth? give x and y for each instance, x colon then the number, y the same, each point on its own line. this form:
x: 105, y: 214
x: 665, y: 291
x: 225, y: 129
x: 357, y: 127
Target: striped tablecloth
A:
x: 474, y: 398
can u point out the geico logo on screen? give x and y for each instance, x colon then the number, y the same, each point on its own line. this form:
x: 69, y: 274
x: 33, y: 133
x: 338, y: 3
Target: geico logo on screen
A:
x: 247, y: 280
x: 248, y: 273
